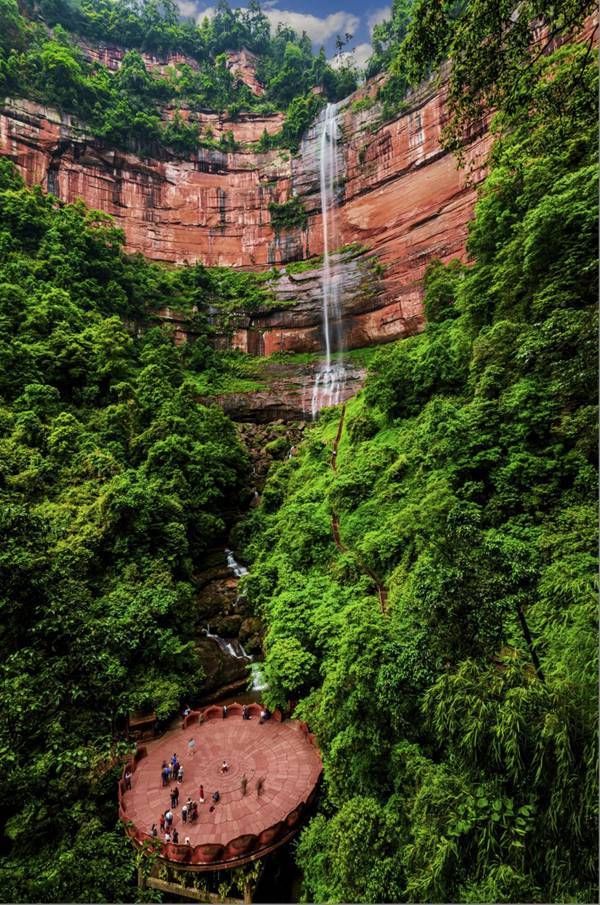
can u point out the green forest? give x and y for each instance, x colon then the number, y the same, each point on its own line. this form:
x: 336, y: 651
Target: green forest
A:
x: 424, y: 565
x: 457, y: 711
x: 113, y: 484
x: 42, y: 57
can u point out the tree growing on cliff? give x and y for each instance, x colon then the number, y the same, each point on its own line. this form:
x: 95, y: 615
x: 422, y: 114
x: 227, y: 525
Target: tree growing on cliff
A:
x: 492, y: 48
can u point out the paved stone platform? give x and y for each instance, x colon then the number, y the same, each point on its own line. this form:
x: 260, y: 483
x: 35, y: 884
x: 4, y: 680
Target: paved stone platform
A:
x: 279, y: 753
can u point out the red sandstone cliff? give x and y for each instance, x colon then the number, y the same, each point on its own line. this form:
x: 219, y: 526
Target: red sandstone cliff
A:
x: 404, y: 199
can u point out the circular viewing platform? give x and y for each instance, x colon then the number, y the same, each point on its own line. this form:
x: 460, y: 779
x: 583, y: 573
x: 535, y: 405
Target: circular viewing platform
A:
x: 281, y: 766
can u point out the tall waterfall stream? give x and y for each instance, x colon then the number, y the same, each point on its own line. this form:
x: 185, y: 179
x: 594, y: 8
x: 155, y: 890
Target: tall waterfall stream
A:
x: 330, y: 379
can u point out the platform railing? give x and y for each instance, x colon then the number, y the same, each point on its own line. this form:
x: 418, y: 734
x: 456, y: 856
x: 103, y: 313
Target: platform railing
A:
x: 209, y: 854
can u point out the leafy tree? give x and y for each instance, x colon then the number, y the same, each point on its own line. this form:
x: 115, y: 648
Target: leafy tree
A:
x: 41, y: 58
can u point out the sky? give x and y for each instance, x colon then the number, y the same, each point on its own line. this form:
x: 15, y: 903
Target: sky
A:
x: 321, y: 20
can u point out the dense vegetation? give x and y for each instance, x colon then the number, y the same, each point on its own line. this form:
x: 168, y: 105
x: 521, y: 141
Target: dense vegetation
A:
x: 112, y: 484
x: 428, y: 591
x: 493, y: 47
x: 456, y: 709
x: 41, y: 57
x: 289, y: 215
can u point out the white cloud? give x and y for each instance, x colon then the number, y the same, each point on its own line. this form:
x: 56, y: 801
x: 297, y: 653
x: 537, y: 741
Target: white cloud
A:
x: 201, y: 14
x: 362, y: 53
x: 188, y: 8
x: 319, y: 29
x: 359, y: 56
x: 377, y: 16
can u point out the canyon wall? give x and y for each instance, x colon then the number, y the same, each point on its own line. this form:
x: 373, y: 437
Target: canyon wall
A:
x: 404, y: 200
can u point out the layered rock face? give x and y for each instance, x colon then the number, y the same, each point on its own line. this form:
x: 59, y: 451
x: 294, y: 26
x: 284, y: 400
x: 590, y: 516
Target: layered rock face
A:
x: 294, y: 323
x: 403, y: 199
x: 214, y: 208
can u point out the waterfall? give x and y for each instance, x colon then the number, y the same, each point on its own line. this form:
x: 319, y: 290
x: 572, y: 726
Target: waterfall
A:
x: 233, y: 648
x: 329, y: 381
x: 238, y: 570
x: 257, y: 678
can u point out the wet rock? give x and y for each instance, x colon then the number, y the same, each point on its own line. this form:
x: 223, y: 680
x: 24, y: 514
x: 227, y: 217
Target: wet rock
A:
x: 251, y: 635
x: 287, y: 396
x: 253, y: 645
x: 249, y: 627
x: 215, y: 598
x: 220, y: 669
x: 226, y: 626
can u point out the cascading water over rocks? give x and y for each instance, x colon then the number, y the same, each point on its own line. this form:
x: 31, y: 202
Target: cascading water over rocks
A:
x: 329, y: 382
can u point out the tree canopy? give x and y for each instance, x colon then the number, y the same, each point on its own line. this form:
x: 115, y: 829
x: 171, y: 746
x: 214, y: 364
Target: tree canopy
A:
x: 43, y: 56
x: 113, y: 484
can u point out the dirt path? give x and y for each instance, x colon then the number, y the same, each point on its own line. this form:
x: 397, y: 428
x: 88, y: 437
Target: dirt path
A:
x: 335, y: 526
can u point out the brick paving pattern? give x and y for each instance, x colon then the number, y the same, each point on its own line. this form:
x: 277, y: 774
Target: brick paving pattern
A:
x: 278, y: 752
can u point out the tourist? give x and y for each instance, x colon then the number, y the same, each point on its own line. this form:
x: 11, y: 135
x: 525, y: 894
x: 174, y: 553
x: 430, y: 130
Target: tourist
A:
x: 224, y: 767
x: 180, y: 774
x: 184, y: 813
x: 167, y: 837
x: 201, y: 794
x: 264, y: 715
x: 166, y: 774
x: 194, y: 814
x: 154, y: 831
x: 175, y: 837
x: 175, y: 769
x: 245, y: 713
x: 216, y: 796
x: 186, y: 710
x: 224, y: 710
x: 127, y: 779
x: 191, y: 747
x: 187, y: 841
x: 174, y: 796
x: 169, y: 817
x: 162, y: 823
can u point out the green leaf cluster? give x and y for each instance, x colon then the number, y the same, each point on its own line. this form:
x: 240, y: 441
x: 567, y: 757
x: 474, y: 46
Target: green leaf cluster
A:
x: 289, y: 215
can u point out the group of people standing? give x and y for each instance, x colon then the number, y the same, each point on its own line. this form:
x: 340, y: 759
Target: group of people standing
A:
x: 189, y: 814
x: 171, y: 771
x: 189, y: 810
